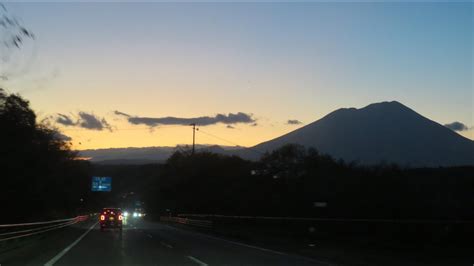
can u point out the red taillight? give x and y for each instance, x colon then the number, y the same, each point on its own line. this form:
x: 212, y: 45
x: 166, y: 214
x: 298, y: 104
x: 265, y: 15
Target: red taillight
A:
x: 120, y: 217
x: 102, y: 217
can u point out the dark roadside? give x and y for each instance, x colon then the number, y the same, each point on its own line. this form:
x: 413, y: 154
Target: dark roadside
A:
x: 345, y: 244
x: 39, y: 249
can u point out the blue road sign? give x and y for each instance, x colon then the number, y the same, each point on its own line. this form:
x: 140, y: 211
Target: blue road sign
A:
x: 101, y: 183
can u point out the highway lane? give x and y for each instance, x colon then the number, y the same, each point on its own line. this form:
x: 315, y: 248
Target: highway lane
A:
x: 148, y: 243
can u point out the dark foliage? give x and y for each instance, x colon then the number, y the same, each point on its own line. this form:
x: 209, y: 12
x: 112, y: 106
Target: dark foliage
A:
x: 39, y: 176
x: 292, y: 180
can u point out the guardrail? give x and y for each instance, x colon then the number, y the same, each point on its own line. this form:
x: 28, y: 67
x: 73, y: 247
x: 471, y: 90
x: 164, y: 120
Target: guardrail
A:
x: 21, y: 230
x: 199, y: 223
x: 411, y: 221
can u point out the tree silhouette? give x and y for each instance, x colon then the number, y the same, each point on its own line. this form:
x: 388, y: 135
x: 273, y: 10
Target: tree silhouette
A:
x: 36, y: 165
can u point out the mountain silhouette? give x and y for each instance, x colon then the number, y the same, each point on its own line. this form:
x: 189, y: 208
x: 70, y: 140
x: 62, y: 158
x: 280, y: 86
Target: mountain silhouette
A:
x: 386, y: 132
x: 381, y: 132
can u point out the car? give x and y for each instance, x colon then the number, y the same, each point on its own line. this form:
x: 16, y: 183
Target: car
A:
x: 138, y: 212
x: 110, y: 218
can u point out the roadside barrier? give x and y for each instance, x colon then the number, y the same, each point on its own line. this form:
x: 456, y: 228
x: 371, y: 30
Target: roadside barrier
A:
x: 20, y: 230
x: 410, y: 221
x: 192, y: 222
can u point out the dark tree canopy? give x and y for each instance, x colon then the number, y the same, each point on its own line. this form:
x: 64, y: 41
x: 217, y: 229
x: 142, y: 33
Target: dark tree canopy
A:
x: 290, y: 180
x: 36, y: 165
x: 39, y: 172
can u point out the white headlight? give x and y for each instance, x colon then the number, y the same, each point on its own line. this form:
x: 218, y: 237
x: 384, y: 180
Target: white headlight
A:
x: 125, y: 214
x: 139, y: 215
x: 135, y: 214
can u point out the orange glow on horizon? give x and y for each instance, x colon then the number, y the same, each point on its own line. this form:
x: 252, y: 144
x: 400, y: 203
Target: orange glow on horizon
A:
x: 242, y: 135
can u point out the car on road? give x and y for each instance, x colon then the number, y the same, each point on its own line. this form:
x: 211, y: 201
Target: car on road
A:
x: 110, y: 218
x: 138, y: 212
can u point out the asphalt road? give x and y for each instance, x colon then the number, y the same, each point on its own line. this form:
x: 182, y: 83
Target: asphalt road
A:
x: 141, y: 243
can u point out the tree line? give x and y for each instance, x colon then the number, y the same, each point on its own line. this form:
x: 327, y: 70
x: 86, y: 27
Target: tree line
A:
x: 42, y: 178
x: 299, y: 182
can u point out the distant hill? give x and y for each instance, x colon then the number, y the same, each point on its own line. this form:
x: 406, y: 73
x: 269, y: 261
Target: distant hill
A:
x: 143, y: 155
x: 381, y: 132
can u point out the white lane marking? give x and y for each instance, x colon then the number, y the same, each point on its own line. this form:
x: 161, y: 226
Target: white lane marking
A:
x: 235, y: 243
x: 166, y: 245
x: 150, y: 236
x: 197, y: 261
x: 250, y: 246
x: 269, y: 250
x: 64, y: 251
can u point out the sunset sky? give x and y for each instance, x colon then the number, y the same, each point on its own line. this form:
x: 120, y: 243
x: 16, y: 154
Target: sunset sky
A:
x: 272, y: 62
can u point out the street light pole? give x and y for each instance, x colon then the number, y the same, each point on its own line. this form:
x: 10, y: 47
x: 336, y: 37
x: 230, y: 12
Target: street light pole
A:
x: 194, y: 135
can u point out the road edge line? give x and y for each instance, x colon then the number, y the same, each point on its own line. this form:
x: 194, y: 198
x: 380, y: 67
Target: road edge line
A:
x: 64, y: 251
x: 252, y: 246
x: 197, y: 261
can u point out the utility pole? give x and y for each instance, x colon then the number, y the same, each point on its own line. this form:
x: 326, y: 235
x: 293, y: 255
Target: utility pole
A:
x: 194, y: 134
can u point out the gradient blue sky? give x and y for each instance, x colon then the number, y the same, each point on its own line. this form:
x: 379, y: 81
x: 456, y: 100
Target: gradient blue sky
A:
x: 278, y: 61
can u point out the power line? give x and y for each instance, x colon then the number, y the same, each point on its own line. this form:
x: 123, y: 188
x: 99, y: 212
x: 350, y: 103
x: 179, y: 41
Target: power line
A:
x: 195, y: 128
x: 214, y: 136
x: 230, y: 142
